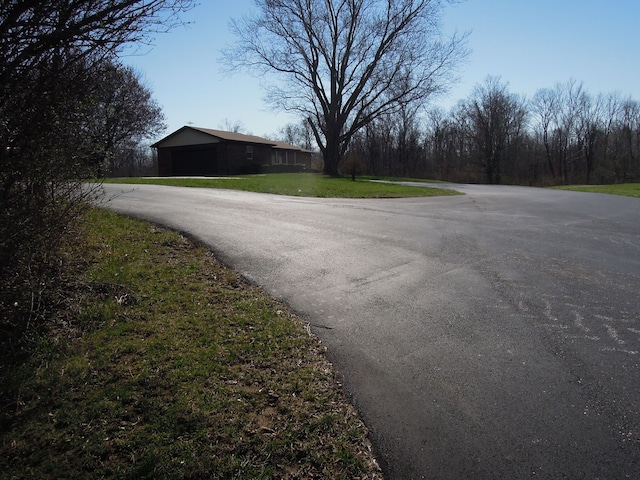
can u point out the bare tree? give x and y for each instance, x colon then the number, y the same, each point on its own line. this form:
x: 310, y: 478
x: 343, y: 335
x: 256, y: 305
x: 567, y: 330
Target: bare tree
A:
x: 570, y: 100
x: 392, y: 144
x: 590, y: 131
x: 134, y: 158
x: 496, y: 120
x: 626, y: 158
x: 124, y: 113
x: 439, y: 143
x: 31, y: 31
x: 409, y: 148
x: 233, y: 126
x: 353, y: 166
x: 613, y: 106
x: 374, y: 144
x: 544, y: 106
x: 298, y: 134
x: 346, y: 62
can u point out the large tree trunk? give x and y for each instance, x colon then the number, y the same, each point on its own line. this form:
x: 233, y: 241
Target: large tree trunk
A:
x: 332, y: 152
x: 331, y: 162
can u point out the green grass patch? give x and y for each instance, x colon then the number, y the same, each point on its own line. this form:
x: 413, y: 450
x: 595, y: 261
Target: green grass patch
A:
x: 297, y: 184
x: 624, y: 189
x: 161, y: 363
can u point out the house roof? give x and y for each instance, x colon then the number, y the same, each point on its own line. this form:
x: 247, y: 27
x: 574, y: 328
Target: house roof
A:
x: 217, y: 134
x: 231, y: 137
x: 288, y: 146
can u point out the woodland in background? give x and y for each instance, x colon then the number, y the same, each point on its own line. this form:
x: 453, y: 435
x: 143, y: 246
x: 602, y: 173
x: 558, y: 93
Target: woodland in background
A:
x: 562, y: 135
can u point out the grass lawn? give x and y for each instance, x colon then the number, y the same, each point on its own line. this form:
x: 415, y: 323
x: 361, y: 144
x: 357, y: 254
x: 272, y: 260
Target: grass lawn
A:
x: 297, y: 184
x: 161, y: 363
x: 625, y: 189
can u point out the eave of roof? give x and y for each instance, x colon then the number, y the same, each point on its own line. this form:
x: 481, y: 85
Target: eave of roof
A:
x: 288, y: 146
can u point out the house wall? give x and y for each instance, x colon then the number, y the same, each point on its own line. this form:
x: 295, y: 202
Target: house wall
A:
x: 191, y: 151
x: 290, y: 157
x: 239, y: 160
x: 165, y: 168
x: 187, y: 138
x: 225, y: 158
x: 196, y: 160
x: 304, y: 158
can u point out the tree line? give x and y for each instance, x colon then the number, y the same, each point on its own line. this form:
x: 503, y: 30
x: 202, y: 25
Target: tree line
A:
x: 561, y: 135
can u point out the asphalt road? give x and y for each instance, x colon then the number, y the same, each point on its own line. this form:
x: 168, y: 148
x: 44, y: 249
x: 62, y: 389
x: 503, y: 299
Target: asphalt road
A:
x: 494, y: 335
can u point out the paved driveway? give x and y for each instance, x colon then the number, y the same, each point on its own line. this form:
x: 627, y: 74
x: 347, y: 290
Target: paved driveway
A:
x: 491, y: 335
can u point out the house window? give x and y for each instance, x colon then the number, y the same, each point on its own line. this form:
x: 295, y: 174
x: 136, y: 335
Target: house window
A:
x: 249, y: 152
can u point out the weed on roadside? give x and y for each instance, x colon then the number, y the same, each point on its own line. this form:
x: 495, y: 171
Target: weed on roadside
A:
x: 162, y: 363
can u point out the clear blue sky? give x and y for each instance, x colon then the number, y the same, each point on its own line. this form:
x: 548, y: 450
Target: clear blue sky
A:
x: 531, y: 44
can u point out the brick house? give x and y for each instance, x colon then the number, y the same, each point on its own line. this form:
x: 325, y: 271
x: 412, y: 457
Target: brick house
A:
x: 194, y: 151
